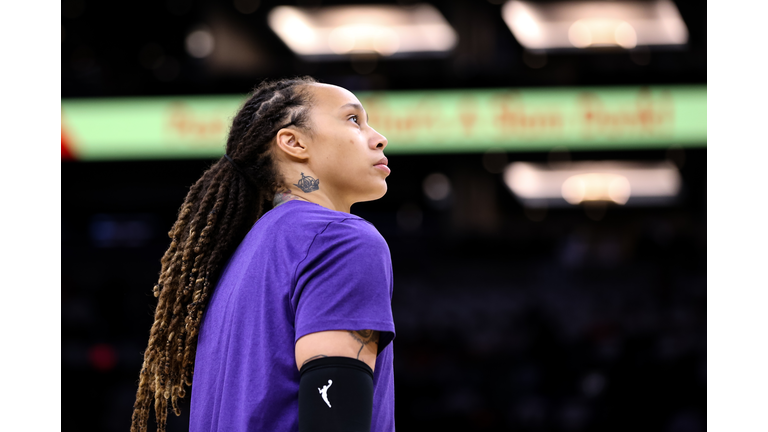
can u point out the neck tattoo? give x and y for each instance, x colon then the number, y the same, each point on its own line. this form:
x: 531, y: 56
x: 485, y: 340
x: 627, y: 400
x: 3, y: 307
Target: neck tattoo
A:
x: 284, y: 196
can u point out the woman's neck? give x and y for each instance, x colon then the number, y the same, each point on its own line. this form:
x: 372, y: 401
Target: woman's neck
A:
x: 285, y: 195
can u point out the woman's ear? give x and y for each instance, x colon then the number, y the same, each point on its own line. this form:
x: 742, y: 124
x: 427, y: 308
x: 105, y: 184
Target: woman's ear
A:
x: 292, y: 144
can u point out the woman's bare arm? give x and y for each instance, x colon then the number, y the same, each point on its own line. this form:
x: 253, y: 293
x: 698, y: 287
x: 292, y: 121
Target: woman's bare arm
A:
x: 359, y: 344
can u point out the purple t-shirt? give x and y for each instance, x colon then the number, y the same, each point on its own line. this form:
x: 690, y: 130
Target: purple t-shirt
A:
x: 301, y: 269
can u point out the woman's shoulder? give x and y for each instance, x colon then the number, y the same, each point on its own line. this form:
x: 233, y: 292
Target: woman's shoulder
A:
x: 301, y: 216
x: 355, y: 227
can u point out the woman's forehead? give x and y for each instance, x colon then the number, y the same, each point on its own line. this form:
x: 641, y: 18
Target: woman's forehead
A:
x: 331, y: 97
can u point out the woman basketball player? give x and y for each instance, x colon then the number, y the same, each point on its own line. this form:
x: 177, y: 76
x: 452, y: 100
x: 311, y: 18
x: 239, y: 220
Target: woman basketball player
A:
x: 272, y: 296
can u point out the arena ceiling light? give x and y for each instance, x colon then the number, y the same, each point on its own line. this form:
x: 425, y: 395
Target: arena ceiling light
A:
x: 571, y: 183
x: 387, y: 30
x: 587, y: 24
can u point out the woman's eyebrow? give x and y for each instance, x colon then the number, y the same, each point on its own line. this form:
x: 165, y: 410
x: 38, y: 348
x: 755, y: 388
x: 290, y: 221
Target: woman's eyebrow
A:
x: 356, y: 106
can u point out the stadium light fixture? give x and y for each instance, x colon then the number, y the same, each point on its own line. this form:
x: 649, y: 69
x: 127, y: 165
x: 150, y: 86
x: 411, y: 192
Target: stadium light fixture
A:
x: 586, y: 24
x: 386, y: 30
x: 564, y: 183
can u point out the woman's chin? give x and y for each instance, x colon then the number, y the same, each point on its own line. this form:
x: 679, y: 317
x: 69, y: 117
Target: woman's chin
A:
x: 383, y: 189
x: 375, y: 193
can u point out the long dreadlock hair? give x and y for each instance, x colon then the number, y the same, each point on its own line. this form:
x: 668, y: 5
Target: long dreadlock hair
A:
x: 217, y: 213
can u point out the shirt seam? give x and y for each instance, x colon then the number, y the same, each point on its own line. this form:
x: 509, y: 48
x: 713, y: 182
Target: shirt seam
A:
x: 306, y: 255
x: 332, y: 322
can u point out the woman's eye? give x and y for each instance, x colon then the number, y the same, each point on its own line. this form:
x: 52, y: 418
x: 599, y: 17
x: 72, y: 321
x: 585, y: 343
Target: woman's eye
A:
x: 354, y: 117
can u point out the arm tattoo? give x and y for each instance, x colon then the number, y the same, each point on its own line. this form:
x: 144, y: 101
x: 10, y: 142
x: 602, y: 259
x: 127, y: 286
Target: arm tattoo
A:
x: 313, y: 358
x: 308, y: 183
x: 364, y: 337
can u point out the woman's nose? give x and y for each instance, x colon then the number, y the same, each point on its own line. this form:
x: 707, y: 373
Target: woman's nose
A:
x: 380, y: 140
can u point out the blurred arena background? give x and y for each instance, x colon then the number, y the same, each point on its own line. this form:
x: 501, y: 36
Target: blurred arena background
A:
x: 546, y: 210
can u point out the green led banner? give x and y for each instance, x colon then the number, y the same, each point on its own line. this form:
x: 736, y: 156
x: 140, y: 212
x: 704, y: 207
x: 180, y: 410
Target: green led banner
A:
x: 147, y: 128
x: 413, y: 121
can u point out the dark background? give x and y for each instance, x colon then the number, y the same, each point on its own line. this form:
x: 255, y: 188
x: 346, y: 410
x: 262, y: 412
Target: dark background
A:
x: 578, y: 319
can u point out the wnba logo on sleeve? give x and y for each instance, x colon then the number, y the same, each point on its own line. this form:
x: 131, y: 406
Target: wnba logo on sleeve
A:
x: 324, y: 392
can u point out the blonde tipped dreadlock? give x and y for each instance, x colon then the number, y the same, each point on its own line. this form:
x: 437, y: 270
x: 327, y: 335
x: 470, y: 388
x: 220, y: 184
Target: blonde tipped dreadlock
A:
x: 216, y: 215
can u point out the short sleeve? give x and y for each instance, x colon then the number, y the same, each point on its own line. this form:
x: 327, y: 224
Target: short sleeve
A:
x: 345, y: 282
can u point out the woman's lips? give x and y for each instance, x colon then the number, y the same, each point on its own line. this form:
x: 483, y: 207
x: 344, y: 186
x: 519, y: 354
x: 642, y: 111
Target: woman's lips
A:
x: 382, y: 165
